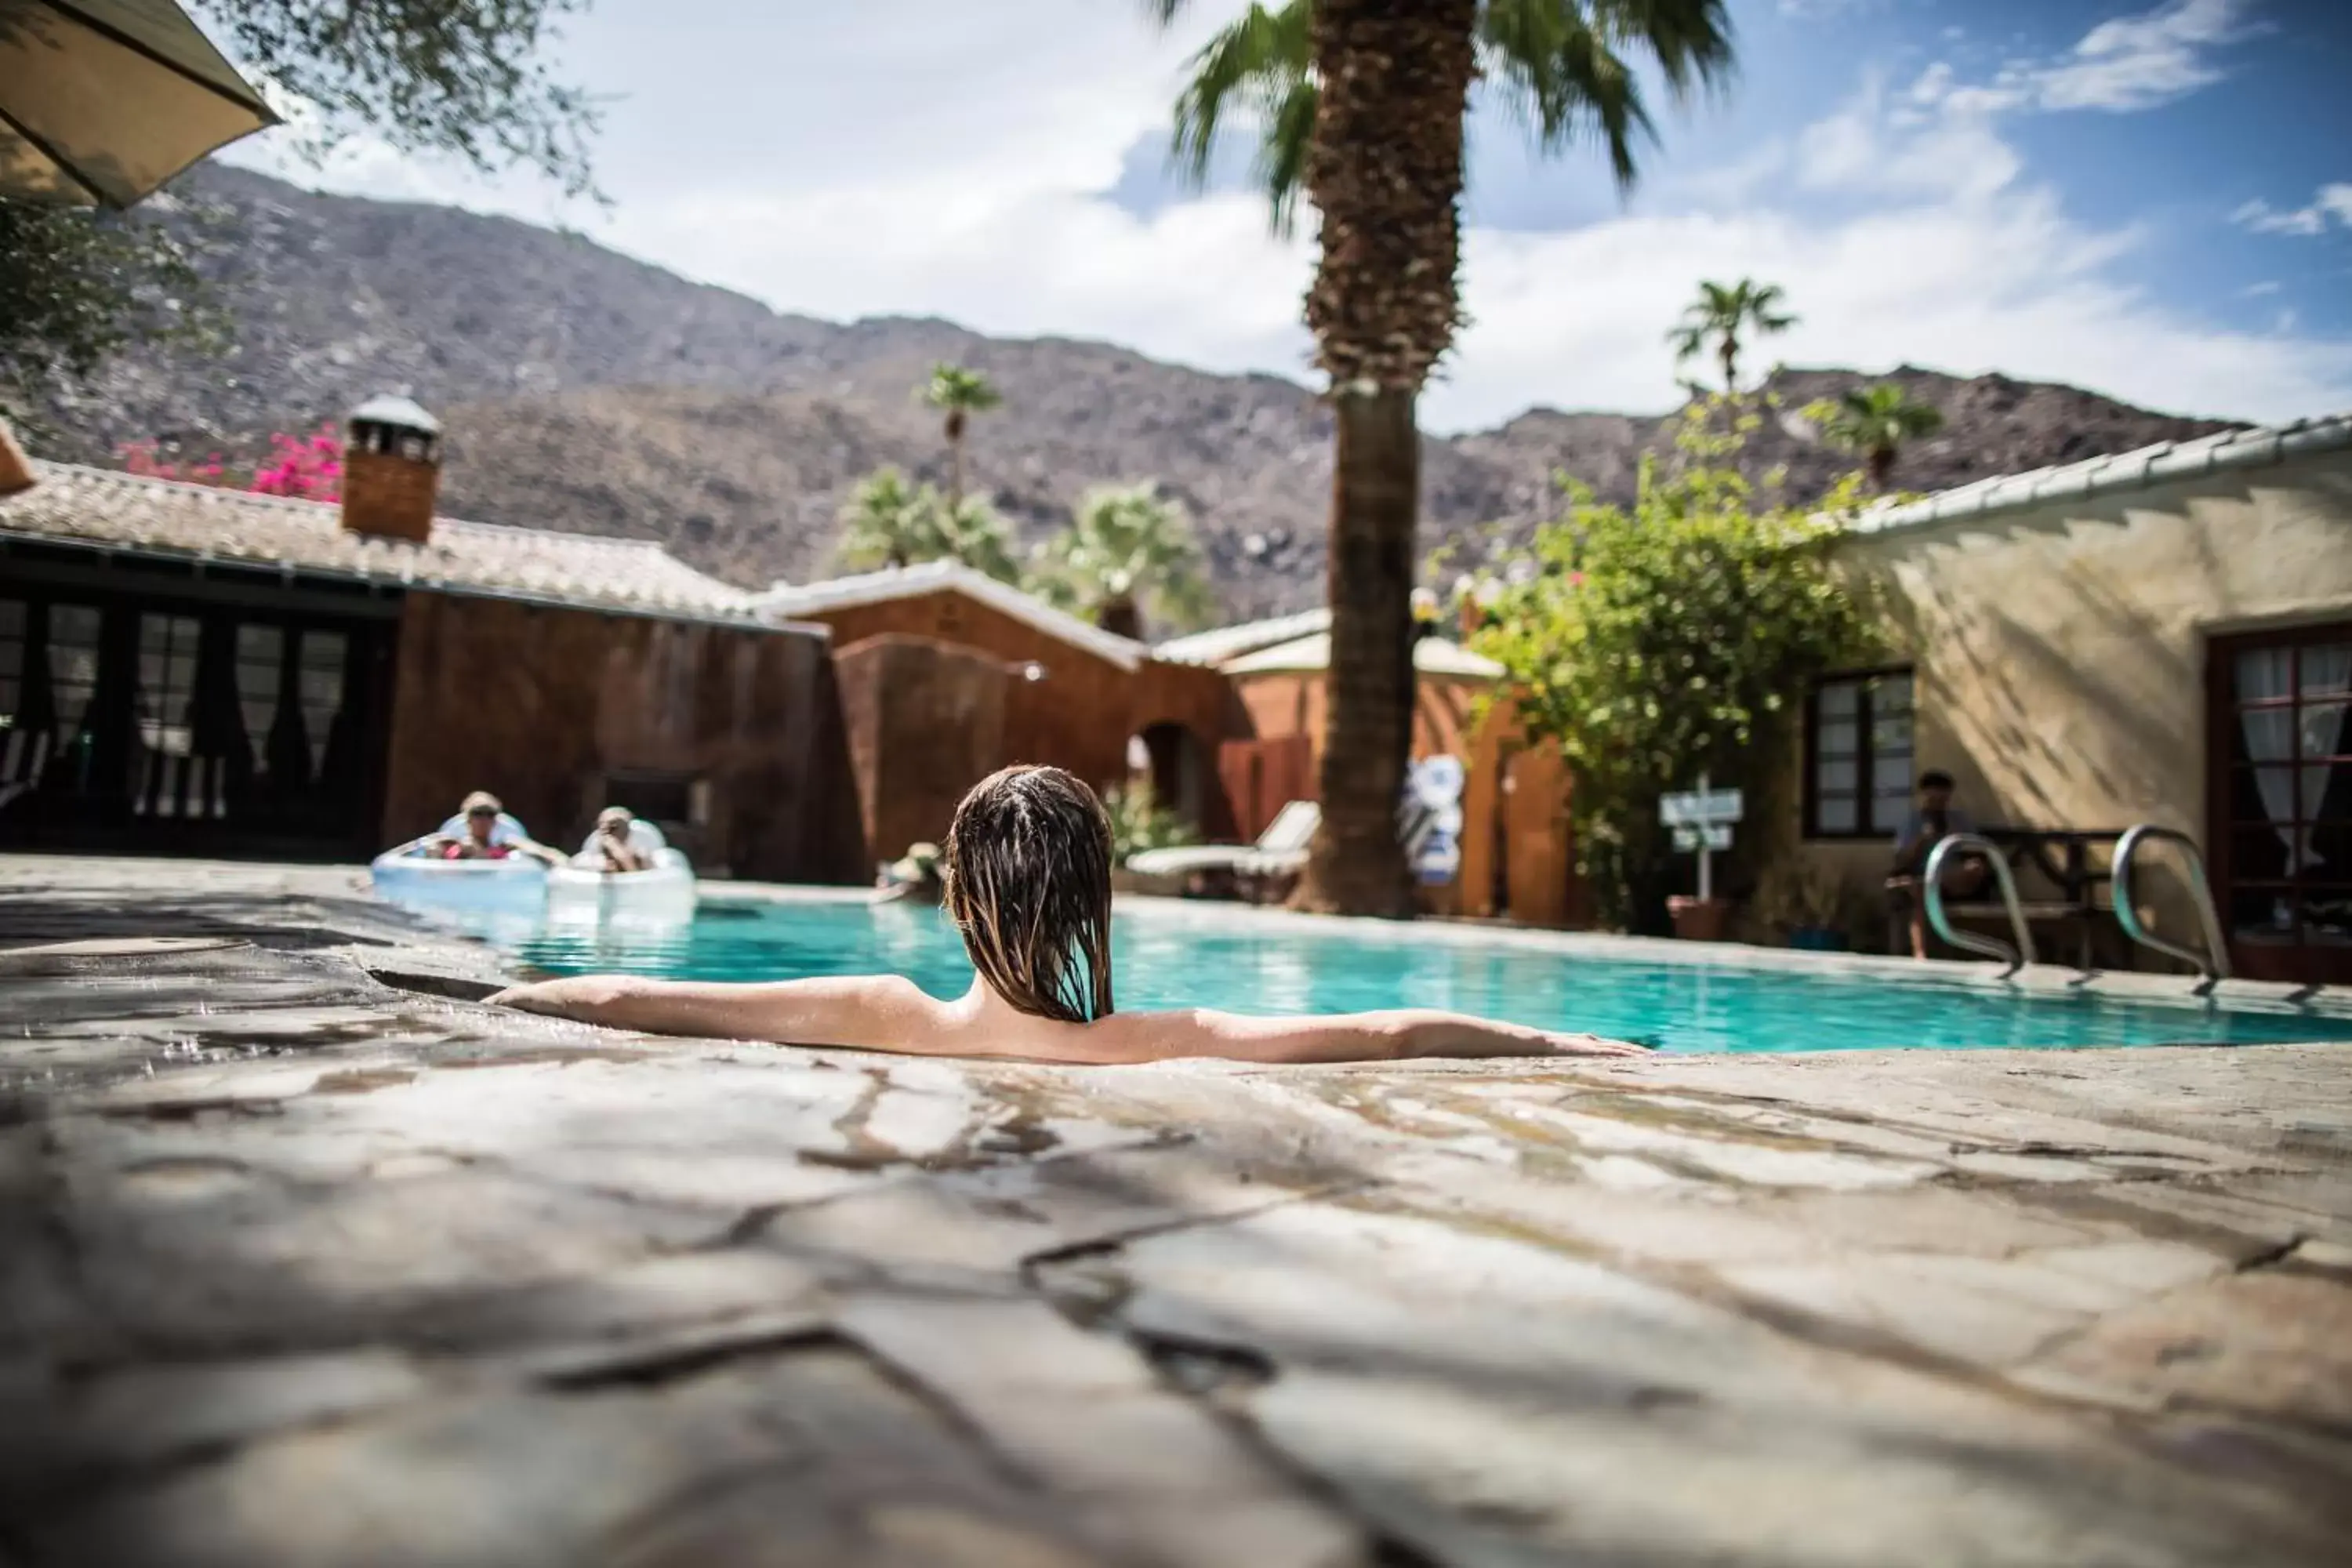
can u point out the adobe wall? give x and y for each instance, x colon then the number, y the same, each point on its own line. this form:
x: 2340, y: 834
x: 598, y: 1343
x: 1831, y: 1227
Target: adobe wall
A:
x: 539, y: 705
x: 925, y: 721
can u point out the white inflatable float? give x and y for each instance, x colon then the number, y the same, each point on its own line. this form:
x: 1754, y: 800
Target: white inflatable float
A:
x: 518, y: 885
x: 663, y: 894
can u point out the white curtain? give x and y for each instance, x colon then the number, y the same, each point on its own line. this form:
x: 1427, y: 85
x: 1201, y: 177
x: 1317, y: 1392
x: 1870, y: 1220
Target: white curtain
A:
x: 2268, y: 673
x: 2326, y: 690
x: 2265, y: 675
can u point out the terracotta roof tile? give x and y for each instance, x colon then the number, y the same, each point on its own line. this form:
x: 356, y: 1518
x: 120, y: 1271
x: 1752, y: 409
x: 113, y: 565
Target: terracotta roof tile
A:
x: 101, y: 509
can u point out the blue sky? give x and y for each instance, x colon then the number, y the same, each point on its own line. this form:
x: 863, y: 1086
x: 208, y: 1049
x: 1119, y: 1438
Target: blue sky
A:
x: 2152, y: 198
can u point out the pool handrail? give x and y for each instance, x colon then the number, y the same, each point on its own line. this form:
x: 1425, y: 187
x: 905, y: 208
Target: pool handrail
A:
x: 1931, y: 898
x: 2214, y: 963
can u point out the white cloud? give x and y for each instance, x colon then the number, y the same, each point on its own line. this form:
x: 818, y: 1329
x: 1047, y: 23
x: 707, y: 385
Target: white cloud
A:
x: 851, y: 187
x: 2330, y: 202
x: 2138, y: 62
x: 2260, y: 290
x: 2120, y: 66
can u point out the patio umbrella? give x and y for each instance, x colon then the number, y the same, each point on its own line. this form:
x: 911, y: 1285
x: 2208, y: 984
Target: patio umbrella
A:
x: 103, y: 101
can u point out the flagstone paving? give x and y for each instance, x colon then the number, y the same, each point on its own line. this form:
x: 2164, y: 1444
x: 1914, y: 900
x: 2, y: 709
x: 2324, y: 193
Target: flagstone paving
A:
x: 305, y: 1257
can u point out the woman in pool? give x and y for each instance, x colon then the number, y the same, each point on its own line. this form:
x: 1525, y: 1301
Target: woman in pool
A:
x: 1028, y: 884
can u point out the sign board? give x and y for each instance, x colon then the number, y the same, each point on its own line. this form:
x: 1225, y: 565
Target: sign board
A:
x: 1430, y: 819
x: 1703, y: 838
x: 1699, y: 807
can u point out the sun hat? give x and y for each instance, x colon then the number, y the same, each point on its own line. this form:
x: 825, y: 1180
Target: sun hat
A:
x: 479, y: 802
x: 614, y: 816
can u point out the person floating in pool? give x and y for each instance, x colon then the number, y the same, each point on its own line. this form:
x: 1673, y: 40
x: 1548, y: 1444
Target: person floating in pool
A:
x: 1935, y: 818
x: 622, y: 841
x: 913, y: 877
x: 1026, y: 880
x: 483, y: 831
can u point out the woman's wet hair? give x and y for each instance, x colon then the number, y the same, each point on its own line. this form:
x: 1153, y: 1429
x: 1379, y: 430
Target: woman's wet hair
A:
x: 1027, y: 872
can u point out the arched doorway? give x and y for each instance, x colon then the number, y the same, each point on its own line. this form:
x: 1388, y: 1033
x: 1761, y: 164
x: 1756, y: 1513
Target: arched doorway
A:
x: 1178, y: 766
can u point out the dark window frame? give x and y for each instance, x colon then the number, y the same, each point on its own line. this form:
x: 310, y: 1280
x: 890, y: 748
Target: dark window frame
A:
x: 1866, y: 754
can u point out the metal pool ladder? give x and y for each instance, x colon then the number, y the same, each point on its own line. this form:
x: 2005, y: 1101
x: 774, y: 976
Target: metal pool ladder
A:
x: 2213, y: 963
x: 1931, y: 894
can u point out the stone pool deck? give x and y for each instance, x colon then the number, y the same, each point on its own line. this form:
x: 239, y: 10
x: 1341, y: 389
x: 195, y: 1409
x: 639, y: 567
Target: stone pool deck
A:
x: 307, y: 1258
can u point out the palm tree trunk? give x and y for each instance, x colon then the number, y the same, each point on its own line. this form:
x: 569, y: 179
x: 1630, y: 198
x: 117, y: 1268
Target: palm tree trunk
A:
x: 1881, y: 463
x: 1730, y: 365
x: 1383, y: 170
x: 1356, y: 865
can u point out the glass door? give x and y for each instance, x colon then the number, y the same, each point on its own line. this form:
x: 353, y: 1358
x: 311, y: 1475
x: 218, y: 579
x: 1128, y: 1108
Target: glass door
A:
x: 2283, y: 801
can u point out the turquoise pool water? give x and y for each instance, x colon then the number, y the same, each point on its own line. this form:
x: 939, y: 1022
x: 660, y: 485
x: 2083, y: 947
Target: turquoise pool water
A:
x: 1243, y: 965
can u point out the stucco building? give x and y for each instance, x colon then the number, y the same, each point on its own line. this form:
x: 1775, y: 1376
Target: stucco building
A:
x: 2163, y: 635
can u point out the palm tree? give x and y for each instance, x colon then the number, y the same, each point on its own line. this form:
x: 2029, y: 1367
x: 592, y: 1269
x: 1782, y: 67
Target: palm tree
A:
x: 1359, y: 105
x: 958, y: 394
x: 1724, y: 313
x: 1874, y: 421
x: 1125, y: 546
x: 889, y: 523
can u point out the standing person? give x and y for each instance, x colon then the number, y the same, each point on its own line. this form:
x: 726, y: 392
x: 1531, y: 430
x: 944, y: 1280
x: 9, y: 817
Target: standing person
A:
x: 1930, y: 822
x: 1027, y: 884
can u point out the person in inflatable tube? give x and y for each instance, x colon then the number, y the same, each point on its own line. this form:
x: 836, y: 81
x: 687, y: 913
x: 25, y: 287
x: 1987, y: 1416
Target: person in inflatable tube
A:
x: 483, y: 831
x: 623, y: 841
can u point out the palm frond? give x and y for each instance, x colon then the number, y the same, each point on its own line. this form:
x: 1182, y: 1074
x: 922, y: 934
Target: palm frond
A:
x: 1262, y: 64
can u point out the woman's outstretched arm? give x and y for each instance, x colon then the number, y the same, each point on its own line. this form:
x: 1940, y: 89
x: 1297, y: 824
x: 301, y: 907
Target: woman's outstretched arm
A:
x: 871, y: 1012
x: 1398, y: 1035
x: 886, y: 1012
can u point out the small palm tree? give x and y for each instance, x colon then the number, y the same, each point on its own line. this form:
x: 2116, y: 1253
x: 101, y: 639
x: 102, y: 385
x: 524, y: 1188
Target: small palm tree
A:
x: 1723, y: 313
x: 958, y: 394
x: 889, y: 523
x: 1125, y: 545
x: 1874, y: 421
x: 883, y: 525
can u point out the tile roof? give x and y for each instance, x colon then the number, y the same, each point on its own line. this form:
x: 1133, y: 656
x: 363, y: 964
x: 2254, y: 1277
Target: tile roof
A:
x: 1231, y: 642
x: 99, y: 508
x: 2166, y: 461
x: 1431, y: 656
x: 935, y: 576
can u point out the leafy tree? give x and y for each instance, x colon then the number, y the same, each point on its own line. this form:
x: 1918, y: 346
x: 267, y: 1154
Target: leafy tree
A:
x: 1723, y: 313
x: 80, y: 286
x: 958, y: 394
x: 461, y: 78
x: 1656, y: 642
x: 466, y: 78
x: 889, y: 523
x: 1126, y: 548
x: 1358, y: 106
x: 1874, y: 421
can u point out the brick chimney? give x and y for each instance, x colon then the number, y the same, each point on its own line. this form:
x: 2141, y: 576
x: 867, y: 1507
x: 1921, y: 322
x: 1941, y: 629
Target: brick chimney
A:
x: 391, y: 469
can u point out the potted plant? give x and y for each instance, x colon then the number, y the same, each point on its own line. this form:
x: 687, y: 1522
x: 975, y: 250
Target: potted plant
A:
x: 1808, y: 903
x: 1699, y: 920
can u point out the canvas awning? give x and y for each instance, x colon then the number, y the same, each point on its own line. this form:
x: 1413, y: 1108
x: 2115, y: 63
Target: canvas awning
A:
x: 103, y: 101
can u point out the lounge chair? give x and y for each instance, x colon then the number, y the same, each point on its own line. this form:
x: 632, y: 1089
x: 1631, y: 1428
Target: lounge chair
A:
x: 1281, y: 848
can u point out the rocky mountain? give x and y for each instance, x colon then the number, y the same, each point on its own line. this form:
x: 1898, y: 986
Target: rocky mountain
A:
x: 585, y: 390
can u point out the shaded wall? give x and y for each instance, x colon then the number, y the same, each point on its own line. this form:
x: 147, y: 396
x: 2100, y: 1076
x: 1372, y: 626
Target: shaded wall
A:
x: 1080, y: 714
x: 544, y: 706
x: 1281, y: 704
x: 926, y: 721
x: 2062, y: 651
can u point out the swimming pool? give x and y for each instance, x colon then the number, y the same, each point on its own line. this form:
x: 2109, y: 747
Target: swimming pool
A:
x: 1200, y: 955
